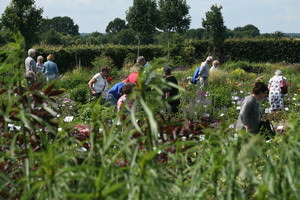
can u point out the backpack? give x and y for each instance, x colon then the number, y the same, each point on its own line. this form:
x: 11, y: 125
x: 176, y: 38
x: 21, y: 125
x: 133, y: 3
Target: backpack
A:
x: 283, y: 87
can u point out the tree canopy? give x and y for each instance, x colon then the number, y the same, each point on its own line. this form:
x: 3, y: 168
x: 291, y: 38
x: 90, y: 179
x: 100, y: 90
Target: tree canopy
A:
x: 214, y: 25
x: 174, y: 15
x: 24, y: 17
x: 142, y: 17
x: 116, y: 26
x: 62, y: 25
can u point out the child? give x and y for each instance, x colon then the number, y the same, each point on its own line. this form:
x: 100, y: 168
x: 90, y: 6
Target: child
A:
x: 126, y: 90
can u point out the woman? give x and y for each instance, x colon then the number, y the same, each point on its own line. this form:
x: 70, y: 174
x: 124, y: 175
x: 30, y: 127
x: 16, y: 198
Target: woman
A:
x: 249, y: 117
x: 50, y: 68
x: 171, y: 93
x: 98, y: 84
x: 40, y: 64
x: 275, y: 95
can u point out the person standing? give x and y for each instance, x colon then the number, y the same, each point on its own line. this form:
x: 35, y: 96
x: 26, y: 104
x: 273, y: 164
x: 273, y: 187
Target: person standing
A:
x: 171, y: 94
x: 30, y: 63
x: 215, y: 65
x: 249, y: 117
x: 276, y: 98
x: 142, y: 61
x: 99, y: 85
x: 204, y: 72
x: 40, y: 64
x: 50, y: 68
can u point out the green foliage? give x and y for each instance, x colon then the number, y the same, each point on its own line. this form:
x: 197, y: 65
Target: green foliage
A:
x: 142, y: 18
x: 246, y: 31
x: 23, y: 17
x: 80, y: 93
x: 116, y: 26
x: 174, y: 15
x: 214, y: 25
x: 62, y: 25
x: 52, y: 37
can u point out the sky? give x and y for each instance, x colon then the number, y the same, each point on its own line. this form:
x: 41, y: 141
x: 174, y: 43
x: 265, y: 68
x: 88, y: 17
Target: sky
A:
x: 268, y: 16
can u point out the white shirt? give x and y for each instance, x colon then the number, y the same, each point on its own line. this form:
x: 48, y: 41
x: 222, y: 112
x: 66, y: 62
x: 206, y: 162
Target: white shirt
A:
x: 101, y: 85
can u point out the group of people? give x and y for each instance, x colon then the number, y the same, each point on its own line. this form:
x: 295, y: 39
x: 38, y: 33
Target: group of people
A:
x: 201, y: 73
x: 49, y: 68
x: 118, y: 93
x: 250, y: 114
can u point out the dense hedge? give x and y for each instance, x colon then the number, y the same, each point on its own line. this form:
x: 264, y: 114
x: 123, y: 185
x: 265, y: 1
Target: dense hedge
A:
x: 69, y: 57
x: 252, y: 50
x: 267, y: 50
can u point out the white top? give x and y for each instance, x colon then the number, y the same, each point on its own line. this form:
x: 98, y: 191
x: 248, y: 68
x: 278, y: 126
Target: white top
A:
x: 101, y: 85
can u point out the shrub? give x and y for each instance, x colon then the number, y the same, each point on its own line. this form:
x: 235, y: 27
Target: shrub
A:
x: 80, y: 93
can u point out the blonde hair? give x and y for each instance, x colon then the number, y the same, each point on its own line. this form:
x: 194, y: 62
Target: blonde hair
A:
x: 215, y: 63
x: 50, y: 57
x: 40, y: 58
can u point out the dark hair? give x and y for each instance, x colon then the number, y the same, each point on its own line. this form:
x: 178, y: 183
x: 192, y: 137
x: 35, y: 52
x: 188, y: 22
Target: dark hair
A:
x: 167, y: 70
x: 105, y: 69
x: 260, y: 87
x: 127, y: 88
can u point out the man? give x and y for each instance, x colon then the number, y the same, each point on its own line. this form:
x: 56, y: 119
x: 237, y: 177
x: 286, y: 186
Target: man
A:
x: 30, y: 64
x: 204, y: 72
x: 171, y: 93
x: 147, y: 68
x: 142, y: 61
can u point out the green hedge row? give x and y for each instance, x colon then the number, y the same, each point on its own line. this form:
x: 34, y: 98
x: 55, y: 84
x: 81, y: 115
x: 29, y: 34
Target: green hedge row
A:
x: 268, y: 50
x: 69, y: 57
x: 252, y: 50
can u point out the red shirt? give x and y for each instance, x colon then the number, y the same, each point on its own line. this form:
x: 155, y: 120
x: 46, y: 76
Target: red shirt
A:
x: 132, y: 78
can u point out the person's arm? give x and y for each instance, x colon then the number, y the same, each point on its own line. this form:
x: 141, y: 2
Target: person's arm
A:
x: 91, y: 82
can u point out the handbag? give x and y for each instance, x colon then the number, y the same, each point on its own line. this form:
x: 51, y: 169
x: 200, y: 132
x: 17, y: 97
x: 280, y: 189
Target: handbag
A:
x: 283, y: 87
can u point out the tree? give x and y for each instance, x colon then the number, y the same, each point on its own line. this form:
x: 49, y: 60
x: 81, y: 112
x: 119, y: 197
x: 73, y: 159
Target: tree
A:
x: 52, y: 37
x: 142, y: 18
x: 116, y: 26
x: 174, y: 17
x: 194, y: 33
x: 23, y: 16
x: 246, y: 31
x: 62, y: 25
x: 214, y: 26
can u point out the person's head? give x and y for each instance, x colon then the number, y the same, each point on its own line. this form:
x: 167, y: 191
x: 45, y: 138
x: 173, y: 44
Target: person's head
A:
x: 141, y: 60
x: 50, y: 57
x: 216, y: 63
x: 278, y: 72
x: 167, y: 70
x: 105, y: 71
x: 260, y: 90
x: 40, y: 59
x: 209, y: 59
x: 127, y: 88
x: 31, y: 52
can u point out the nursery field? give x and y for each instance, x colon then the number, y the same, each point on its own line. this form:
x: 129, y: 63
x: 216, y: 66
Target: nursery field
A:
x: 54, y: 144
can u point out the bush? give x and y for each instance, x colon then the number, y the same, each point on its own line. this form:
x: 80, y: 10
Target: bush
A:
x: 80, y: 93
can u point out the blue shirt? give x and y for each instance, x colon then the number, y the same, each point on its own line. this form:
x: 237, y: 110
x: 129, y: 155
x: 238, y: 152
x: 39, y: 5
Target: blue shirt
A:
x: 50, y: 68
x: 196, y: 74
x: 116, y: 90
